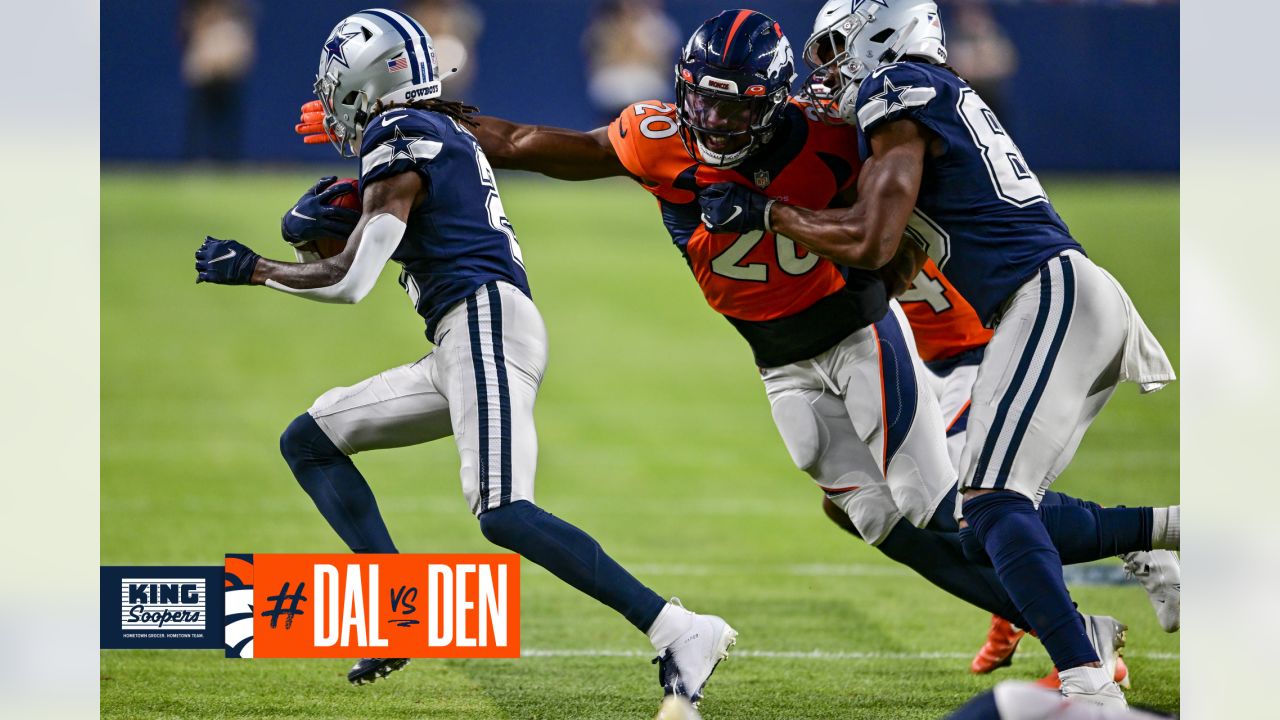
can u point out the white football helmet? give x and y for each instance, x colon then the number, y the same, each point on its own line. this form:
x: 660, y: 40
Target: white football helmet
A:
x: 370, y: 56
x: 851, y: 38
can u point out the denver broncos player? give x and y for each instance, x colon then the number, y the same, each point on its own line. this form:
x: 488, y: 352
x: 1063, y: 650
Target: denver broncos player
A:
x: 827, y: 341
x: 942, y: 169
x: 430, y: 202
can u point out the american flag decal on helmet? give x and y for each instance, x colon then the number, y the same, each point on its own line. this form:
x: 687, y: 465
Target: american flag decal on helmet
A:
x: 398, y: 64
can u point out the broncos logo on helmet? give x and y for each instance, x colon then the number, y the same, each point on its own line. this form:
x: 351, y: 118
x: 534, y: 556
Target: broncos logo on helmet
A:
x: 733, y: 78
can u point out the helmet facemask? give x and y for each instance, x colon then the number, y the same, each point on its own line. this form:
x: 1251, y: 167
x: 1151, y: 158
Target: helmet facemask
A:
x: 343, y: 119
x: 835, y: 67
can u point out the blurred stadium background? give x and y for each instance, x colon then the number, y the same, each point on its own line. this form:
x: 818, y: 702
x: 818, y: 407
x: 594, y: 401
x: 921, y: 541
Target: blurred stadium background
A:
x: 1083, y: 86
x: 655, y: 436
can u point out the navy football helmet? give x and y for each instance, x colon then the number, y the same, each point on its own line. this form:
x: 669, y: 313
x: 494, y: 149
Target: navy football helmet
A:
x: 732, y: 81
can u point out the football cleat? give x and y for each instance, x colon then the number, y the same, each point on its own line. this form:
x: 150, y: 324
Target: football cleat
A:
x: 1121, y: 676
x: 370, y: 669
x: 1161, y: 576
x: 685, y: 666
x: 1002, y: 640
x: 675, y: 707
x: 1107, y: 635
x: 1108, y: 695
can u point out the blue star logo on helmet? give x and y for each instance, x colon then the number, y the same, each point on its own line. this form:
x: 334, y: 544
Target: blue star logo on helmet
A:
x: 334, y: 49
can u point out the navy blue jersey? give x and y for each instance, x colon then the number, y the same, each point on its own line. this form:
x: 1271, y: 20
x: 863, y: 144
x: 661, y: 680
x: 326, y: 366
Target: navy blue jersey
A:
x: 458, y: 238
x: 981, y: 212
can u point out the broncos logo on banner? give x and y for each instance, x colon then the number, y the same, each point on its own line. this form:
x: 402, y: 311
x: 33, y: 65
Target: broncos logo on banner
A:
x: 238, y: 618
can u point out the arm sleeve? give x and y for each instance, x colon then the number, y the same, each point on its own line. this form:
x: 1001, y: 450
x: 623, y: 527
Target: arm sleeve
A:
x: 378, y: 241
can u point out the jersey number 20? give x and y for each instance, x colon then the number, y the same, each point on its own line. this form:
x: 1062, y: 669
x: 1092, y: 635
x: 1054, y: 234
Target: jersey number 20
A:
x: 726, y: 263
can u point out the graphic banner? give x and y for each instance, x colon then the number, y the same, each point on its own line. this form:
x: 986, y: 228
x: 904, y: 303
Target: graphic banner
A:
x: 353, y: 606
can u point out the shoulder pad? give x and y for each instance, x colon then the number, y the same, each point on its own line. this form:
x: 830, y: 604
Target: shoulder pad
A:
x: 646, y: 138
x: 399, y: 137
x: 893, y: 91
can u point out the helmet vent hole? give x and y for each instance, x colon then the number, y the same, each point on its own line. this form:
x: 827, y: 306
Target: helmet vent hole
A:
x: 350, y: 98
x: 882, y: 35
x: 368, y: 34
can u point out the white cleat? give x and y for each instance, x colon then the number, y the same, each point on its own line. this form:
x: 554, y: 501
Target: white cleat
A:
x: 675, y: 707
x: 1107, y: 635
x: 1108, y: 696
x: 685, y: 665
x: 1160, y: 573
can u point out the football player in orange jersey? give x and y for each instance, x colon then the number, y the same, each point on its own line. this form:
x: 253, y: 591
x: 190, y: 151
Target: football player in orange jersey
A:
x: 826, y: 339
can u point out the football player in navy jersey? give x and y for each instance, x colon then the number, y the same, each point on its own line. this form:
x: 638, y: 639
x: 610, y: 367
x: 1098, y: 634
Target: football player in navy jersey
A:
x: 941, y: 171
x: 430, y: 203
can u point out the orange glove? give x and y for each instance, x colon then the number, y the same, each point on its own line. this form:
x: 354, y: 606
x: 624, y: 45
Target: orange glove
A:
x: 311, y: 125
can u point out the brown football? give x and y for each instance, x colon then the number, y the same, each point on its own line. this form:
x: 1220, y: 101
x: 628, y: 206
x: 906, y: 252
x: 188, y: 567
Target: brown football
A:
x: 351, y: 201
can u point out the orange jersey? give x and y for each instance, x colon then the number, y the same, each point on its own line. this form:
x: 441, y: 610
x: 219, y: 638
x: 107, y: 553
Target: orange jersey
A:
x: 784, y: 300
x: 944, y: 323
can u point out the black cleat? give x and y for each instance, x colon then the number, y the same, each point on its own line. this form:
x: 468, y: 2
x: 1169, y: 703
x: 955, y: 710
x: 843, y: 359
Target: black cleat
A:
x: 370, y: 669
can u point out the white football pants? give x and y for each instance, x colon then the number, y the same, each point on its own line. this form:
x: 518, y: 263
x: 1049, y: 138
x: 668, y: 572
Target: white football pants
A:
x: 1053, y: 362
x: 862, y: 422
x: 479, y: 385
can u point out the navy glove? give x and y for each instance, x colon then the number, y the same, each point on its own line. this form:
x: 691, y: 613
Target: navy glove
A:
x: 313, y: 218
x: 225, y: 262
x: 732, y: 208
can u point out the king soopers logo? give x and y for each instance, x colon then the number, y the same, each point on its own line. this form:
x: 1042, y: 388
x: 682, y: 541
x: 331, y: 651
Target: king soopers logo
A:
x: 161, y: 604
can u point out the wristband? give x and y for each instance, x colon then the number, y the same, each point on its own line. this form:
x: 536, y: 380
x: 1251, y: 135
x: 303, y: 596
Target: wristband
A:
x: 768, y: 227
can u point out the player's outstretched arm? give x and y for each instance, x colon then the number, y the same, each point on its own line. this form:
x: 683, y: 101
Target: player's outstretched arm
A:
x: 349, y: 276
x: 866, y: 235
x: 554, y: 152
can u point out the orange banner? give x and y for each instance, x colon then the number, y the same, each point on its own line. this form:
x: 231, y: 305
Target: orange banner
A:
x: 352, y: 606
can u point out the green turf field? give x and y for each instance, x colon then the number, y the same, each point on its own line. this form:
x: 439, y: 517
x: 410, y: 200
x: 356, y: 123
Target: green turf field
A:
x: 655, y: 437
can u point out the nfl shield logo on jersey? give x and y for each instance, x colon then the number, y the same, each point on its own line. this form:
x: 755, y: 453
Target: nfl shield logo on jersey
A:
x: 762, y: 178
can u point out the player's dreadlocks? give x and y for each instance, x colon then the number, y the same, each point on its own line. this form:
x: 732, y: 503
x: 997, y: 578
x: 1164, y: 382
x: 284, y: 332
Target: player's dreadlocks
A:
x: 456, y: 110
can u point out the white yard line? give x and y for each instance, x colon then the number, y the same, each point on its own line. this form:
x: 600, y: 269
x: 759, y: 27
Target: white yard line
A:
x: 825, y: 655
x: 1104, y: 572
x: 748, y: 570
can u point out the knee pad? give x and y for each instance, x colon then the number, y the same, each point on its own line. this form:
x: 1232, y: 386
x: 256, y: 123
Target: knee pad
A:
x: 972, y: 547
x: 503, y: 525
x: 837, y: 515
x: 802, y: 432
x: 870, y: 507
x: 304, y: 442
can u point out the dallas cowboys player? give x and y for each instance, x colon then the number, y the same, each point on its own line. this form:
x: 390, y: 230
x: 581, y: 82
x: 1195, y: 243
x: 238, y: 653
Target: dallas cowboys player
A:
x: 942, y: 170
x: 431, y: 204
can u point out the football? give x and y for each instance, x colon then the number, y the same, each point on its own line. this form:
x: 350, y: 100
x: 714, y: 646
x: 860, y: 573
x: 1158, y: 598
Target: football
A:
x: 351, y: 201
